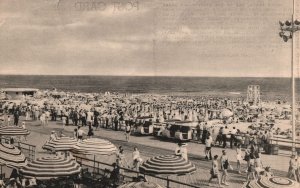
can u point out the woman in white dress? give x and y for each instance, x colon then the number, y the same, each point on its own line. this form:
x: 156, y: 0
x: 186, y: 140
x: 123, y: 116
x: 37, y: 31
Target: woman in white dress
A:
x: 137, y: 160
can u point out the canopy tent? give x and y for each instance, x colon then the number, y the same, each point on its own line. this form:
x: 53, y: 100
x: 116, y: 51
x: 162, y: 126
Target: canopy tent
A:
x: 13, y: 131
x: 51, y: 167
x: 141, y: 185
x: 11, y: 156
x: 167, y: 164
x: 63, y: 143
x: 94, y: 146
x: 272, y: 182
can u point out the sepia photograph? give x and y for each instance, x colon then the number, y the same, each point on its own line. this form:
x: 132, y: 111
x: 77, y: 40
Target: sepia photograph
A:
x: 149, y: 93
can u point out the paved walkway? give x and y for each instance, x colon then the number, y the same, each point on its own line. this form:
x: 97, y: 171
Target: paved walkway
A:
x: 151, y: 146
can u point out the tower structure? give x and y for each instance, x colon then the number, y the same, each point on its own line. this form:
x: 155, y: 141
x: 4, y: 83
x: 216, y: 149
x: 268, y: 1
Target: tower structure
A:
x: 253, y: 95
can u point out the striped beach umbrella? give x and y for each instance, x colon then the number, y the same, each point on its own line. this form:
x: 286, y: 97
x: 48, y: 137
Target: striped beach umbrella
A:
x: 11, y: 156
x: 94, y: 146
x: 51, y: 167
x: 167, y: 164
x: 272, y: 182
x: 141, y: 185
x: 13, y: 131
x: 63, y: 143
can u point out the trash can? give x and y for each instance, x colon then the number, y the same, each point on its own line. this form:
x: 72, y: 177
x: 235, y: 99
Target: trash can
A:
x: 274, y: 149
x: 271, y: 149
x: 267, y: 148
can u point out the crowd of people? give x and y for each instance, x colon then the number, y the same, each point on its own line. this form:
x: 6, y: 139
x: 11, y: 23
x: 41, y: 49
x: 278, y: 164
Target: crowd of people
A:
x: 120, y: 112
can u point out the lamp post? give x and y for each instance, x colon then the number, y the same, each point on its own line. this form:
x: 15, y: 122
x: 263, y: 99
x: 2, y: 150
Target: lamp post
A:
x: 287, y: 30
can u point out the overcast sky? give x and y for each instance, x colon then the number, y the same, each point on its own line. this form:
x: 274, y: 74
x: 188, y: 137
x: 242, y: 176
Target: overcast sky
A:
x: 145, y: 37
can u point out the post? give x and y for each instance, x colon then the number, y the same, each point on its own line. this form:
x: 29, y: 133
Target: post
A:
x: 94, y: 165
x: 293, y: 91
x: 168, y: 182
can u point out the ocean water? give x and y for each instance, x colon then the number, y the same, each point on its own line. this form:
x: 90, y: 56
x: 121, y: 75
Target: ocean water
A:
x: 271, y: 88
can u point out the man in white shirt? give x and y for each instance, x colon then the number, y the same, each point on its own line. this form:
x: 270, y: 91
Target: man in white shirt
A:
x: 208, y: 145
x: 224, y: 136
x: 233, y: 138
x: 89, y: 117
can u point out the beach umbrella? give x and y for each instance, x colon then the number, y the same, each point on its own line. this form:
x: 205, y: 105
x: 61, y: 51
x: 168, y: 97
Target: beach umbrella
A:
x: 141, y: 185
x: 94, y: 146
x: 272, y: 182
x: 253, y: 107
x: 168, y: 165
x: 226, y: 113
x: 51, y: 167
x: 63, y: 143
x: 11, y: 156
x: 13, y: 131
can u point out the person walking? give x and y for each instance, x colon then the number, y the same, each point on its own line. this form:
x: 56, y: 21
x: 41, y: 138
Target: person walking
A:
x: 292, y: 167
x: 233, y: 137
x: 122, y: 162
x: 238, y: 158
x: 43, y: 119
x: 224, y: 167
x: 16, y: 117
x: 208, y: 145
x: 90, y: 132
x: 137, y: 160
x: 214, y: 172
x: 127, y: 132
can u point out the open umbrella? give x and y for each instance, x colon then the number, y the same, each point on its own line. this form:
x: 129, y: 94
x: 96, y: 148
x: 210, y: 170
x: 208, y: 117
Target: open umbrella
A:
x: 272, y: 182
x: 13, y: 131
x: 11, y: 156
x: 167, y: 164
x: 95, y: 146
x: 226, y: 113
x: 141, y: 185
x: 51, y: 167
x: 63, y: 143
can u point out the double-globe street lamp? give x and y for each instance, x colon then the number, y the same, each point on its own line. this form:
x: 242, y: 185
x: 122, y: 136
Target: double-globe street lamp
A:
x: 287, y: 30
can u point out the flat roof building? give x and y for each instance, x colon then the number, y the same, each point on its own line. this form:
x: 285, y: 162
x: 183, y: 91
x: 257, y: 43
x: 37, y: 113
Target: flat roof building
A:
x: 18, y: 93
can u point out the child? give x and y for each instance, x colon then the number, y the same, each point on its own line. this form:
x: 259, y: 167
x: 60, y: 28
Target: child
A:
x: 251, y: 171
x: 258, y: 167
x: 268, y: 173
x: 24, y: 127
x: 8, y: 120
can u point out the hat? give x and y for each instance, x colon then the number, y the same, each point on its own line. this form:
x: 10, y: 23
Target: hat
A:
x: 12, y: 179
x: 52, y: 131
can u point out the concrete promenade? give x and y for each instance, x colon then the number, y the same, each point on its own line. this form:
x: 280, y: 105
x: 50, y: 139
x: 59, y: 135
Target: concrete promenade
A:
x: 150, y: 146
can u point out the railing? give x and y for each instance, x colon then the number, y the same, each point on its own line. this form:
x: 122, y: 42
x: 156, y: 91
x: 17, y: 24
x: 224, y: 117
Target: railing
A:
x: 27, y: 149
x: 97, y: 168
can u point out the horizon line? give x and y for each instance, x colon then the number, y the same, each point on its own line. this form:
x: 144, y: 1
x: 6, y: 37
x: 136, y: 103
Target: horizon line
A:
x: 145, y: 75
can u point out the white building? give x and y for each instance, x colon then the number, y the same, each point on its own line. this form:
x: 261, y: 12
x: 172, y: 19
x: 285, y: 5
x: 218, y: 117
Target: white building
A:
x: 19, y: 93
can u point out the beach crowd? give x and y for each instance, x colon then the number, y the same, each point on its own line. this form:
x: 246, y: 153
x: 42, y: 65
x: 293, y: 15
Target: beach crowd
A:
x: 216, y: 118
